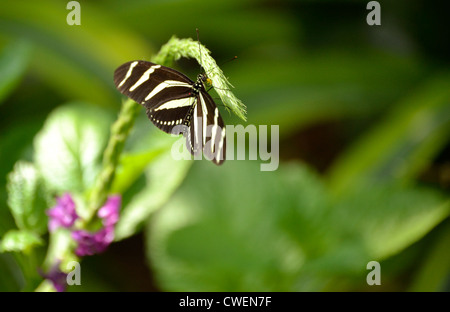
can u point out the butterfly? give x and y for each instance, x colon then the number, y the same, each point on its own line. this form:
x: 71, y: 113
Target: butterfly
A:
x: 176, y: 104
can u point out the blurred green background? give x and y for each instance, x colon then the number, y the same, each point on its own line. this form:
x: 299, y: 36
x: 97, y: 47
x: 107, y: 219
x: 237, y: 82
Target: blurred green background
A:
x: 364, y: 117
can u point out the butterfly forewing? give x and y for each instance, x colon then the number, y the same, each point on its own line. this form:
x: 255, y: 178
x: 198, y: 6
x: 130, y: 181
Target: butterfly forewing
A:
x: 172, y: 99
x: 130, y: 79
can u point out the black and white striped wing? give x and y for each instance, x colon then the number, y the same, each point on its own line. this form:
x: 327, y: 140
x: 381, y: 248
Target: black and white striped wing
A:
x: 165, y: 92
x: 207, y: 130
x: 172, y: 99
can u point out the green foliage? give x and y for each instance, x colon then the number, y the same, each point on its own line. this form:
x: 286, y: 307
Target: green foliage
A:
x: 83, y: 57
x: 70, y: 146
x: 281, y: 231
x: 11, y: 277
x: 19, y: 241
x: 381, y: 193
x: 142, y: 176
x: 156, y: 188
x: 13, y: 63
x: 28, y: 198
x: 437, y: 261
x: 403, y: 144
x: 309, y: 88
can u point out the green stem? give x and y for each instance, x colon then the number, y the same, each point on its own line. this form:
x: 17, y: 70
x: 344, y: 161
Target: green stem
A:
x: 120, y: 130
x: 45, y: 286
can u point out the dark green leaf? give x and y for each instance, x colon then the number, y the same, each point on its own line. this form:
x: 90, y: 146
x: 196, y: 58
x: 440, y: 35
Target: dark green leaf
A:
x: 280, y: 231
x: 11, y: 277
x: 403, y: 144
x: 222, y: 233
x: 13, y: 63
x: 433, y: 275
x: 387, y: 218
x: 75, y: 60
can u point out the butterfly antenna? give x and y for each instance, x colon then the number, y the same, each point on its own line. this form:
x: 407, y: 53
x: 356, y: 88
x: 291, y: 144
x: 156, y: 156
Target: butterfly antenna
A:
x: 199, y: 50
x: 232, y: 59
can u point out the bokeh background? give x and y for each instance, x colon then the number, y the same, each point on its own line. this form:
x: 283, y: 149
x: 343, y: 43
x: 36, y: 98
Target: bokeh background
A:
x: 364, y: 119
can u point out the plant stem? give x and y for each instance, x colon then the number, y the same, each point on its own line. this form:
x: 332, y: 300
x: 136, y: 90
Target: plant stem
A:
x: 120, y: 130
x: 119, y: 133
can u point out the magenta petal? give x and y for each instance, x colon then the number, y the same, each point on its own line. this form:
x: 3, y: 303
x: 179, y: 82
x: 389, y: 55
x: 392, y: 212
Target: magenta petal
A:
x: 57, y: 277
x: 110, y: 211
x: 63, y: 214
x: 92, y: 243
x: 52, y: 225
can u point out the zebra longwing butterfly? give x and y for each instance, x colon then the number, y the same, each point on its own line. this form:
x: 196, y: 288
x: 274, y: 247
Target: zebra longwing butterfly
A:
x: 172, y: 99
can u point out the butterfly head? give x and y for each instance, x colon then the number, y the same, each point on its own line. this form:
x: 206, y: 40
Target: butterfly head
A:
x: 206, y: 81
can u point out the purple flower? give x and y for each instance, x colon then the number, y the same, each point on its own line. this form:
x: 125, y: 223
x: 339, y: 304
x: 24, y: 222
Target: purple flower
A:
x: 93, y: 243
x: 110, y: 211
x: 90, y: 243
x: 63, y: 214
x: 56, y: 276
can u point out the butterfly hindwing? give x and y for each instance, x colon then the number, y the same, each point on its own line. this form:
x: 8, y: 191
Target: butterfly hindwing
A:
x: 207, y: 130
x: 216, y: 134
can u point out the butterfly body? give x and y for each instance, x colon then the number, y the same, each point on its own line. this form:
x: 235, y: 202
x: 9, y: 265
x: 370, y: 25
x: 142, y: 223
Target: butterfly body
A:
x: 172, y: 99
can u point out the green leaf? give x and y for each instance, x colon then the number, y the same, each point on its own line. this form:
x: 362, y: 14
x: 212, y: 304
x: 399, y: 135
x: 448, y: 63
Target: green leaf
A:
x: 13, y: 63
x: 11, y: 276
x: 86, y: 54
x: 16, y: 143
x: 234, y: 228
x: 304, y: 89
x: 19, y: 241
x: 403, y: 144
x: 388, y: 218
x: 6, y: 219
x: 69, y: 148
x: 28, y: 197
x: 131, y: 167
x: 162, y: 176
x: 221, y: 230
x: 433, y: 274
